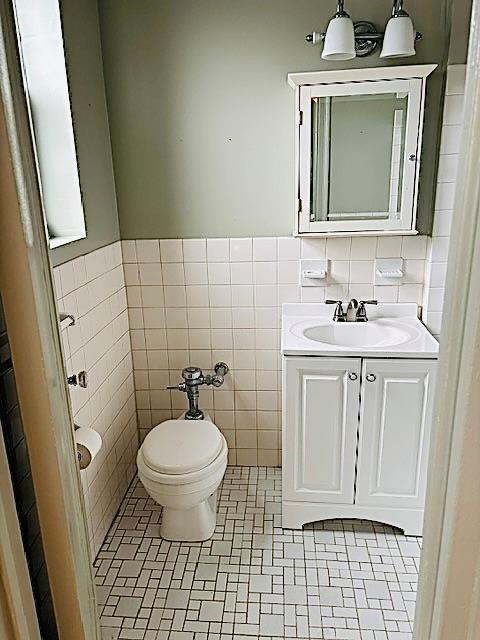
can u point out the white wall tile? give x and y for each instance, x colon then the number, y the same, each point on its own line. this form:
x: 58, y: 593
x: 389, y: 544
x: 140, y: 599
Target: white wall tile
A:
x: 363, y: 248
x: 175, y: 296
x: 173, y: 274
x: 197, y: 295
x: 338, y: 272
x: 414, y: 247
x: 445, y: 196
x: 195, y: 273
x: 288, y: 272
x: 265, y: 272
x: 313, y: 294
x: 153, y: 318
x: 129, y: 252
x: 435, y: 298
x: 171, y: 250
x: 288, y: 248
x: 338, y: 248
x: 265, y: 249
x: 150, y: 273
x: 313, y: 248
x: 442, y: 223
x: 453, y: 110
x: 438, y: 274
x: 389, y: 247
x: 218, y: 250
x: 451, y: 138
x: 152, y: 296
x: 241, y: 249
x: 147, y: 250
x: 447, y: 168
x: 220, y: 295
x: 440, y: 249
x: 241, y: 272
x: 410, y: 293
x: 361, y: 271
x: 456, y: 79
x: 195, y: 250
x: 218, y: 273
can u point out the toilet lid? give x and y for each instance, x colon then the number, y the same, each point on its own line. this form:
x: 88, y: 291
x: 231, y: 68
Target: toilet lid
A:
x: 181, y: 446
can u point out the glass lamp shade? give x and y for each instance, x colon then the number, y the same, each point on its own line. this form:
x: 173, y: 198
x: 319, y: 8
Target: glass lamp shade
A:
x: 399, y: 38
x: 339, y: 40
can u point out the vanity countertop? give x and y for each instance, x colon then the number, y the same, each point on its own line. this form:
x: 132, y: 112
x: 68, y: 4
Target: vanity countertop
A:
x: 392, y: 331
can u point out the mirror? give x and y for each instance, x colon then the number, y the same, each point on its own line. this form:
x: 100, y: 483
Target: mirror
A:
x: 358, y: 147
x: 357, y: 154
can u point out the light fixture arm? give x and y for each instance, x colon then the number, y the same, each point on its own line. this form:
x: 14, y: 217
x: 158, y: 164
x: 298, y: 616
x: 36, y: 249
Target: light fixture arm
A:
x: 340, y: 12
x: 398, y: 10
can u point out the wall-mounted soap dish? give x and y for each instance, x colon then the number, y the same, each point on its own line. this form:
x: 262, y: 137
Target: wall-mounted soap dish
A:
x: 388, y: 271
x: 313, y: 273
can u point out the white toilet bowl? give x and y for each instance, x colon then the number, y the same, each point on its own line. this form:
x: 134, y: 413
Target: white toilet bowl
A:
x: 181, y: 464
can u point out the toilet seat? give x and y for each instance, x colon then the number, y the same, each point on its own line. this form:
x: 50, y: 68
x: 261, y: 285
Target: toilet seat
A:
x: 182, y: 453
x: 181, y: 446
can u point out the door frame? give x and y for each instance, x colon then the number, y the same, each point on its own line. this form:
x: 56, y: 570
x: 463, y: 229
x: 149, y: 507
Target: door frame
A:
x: 18, y: 616
x: 32, y: 323
x: 448, y: 604
x: 449, y: 596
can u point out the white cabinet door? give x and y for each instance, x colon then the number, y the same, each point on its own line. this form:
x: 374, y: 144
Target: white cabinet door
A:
x: 394, y: 436
x: 320, y: 424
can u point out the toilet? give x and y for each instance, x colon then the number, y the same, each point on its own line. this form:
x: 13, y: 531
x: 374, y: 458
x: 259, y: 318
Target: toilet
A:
x: 181, y: 464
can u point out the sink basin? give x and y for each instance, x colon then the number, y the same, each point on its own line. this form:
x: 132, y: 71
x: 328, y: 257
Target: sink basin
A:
x: 393, y: 330
x: 371, y: 334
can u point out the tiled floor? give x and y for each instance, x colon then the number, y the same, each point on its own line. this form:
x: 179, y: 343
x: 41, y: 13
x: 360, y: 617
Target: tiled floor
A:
x: 343, y: 580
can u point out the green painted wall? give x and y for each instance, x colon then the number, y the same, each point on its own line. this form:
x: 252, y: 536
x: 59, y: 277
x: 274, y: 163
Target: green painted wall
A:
x: 92, y: 136
x: 461, y: 11
x: 201, y: 116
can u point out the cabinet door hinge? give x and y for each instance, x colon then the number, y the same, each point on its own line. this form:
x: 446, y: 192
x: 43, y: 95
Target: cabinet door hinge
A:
x: 299, y: 205
x: 300, y: 118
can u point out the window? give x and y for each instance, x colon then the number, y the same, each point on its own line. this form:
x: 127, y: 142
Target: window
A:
x: 39, y: 31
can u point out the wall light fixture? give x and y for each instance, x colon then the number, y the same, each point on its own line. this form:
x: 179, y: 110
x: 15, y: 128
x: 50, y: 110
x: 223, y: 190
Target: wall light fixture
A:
x: 344, y: 39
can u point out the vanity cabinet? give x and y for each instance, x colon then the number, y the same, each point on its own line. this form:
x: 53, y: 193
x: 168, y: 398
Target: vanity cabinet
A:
x: 356, y: 435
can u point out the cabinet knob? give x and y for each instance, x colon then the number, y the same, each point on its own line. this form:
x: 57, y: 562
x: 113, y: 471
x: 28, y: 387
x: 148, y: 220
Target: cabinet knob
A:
x: 352, y: 376
x: 371, y: 377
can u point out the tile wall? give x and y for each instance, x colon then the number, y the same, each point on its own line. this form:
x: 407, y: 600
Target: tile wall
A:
x: 437, y: 250
x: 92, y: 288
x: 199, y: 301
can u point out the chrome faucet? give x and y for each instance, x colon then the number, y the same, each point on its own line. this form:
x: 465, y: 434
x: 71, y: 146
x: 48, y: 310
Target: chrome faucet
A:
x: 351, y: 315
x: 355, y: 312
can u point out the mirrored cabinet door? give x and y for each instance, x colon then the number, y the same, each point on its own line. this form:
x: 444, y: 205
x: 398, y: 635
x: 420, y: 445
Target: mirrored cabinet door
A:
x: 358, y: 156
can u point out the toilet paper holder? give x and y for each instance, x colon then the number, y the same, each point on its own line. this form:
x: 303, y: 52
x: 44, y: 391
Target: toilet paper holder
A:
x: 88, y: 443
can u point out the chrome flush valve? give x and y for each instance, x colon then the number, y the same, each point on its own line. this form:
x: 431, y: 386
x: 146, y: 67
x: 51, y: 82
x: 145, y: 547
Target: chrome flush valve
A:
x: 193, y: 378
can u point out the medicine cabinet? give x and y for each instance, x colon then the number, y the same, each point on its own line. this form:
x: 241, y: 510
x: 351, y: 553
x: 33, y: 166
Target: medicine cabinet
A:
x: 358, y: 147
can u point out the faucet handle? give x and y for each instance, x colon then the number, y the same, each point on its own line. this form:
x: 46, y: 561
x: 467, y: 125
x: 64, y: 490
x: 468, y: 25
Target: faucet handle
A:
x: 339, y: 313
x: 361, y: 315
